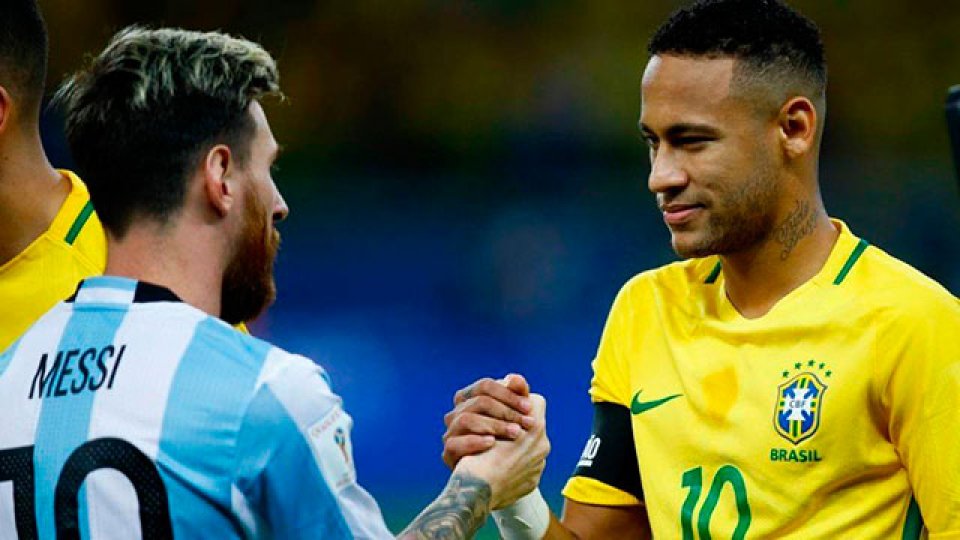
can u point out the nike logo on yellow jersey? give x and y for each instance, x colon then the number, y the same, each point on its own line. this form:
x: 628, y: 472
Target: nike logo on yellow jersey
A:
x: 638, y: 407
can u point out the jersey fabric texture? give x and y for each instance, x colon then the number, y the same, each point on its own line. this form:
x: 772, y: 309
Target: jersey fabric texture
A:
x: 128, y: 412
x: 48, y: 270
x: 835, y: 415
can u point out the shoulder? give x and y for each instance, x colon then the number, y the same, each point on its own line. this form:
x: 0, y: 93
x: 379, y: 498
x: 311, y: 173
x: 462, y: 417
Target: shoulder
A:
x: 674, y: 281
x: 276, y: 366
x: 895, y: 285
x: 900, y: 299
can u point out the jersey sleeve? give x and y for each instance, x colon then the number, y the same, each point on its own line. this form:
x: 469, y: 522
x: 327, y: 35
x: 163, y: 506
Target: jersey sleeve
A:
x: 609, y: 452
x: 611, y: 378
x: 296, y: 476
x: 922, y: 396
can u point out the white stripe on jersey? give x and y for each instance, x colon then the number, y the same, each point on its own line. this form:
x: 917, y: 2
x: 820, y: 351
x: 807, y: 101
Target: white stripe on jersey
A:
x: 104, y: 295
x: 20, y: 414
x: 134, y: 408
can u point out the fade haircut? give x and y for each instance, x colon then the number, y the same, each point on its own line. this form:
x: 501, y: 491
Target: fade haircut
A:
x: 777, y: 50
x: 144, y: 113
x: 23, y: 54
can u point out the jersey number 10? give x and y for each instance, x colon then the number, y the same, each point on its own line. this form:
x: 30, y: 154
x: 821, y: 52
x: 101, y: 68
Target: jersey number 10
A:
x: 693, y: 479
x: 16, y: 465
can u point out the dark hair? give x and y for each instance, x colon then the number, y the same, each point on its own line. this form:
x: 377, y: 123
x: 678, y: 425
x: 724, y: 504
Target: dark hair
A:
x: 23, y: 52
x: 147, y: 109
x: 766, y: 35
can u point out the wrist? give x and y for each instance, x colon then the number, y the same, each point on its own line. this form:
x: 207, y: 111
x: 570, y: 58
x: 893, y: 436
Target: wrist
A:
x: 526, y: 519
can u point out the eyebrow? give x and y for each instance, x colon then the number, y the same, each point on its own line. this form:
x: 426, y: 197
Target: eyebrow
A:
x: 684, y: 128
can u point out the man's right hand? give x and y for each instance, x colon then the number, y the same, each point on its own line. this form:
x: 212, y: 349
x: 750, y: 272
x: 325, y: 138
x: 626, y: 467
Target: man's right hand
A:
x: 484, y: 412
x: 512, y: 468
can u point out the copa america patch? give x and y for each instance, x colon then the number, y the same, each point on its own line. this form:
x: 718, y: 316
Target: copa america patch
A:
x: 330, y: 440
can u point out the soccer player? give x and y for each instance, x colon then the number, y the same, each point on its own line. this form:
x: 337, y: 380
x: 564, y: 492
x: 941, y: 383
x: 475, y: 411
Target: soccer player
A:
x: 50, y: 238
x: 133, y: 408
x: 787, y: 379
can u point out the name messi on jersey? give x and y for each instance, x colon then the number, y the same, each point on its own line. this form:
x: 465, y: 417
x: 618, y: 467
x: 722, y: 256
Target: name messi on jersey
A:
x: 76, y: 370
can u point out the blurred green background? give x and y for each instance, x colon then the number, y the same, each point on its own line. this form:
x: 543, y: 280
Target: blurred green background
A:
x: 468, y: 188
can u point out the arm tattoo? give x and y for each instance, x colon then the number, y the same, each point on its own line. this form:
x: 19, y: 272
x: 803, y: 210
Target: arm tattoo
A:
x: 457, y: 513
x: 798, y: 224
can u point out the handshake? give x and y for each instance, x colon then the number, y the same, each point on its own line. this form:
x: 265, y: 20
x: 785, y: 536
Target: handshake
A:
x: 496, y: 432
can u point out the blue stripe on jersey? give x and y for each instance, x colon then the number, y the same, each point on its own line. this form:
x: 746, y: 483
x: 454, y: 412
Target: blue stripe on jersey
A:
x: 280, y: 477
x: 197, y: 456
x: 111, y: 282
x: 7, y: 356
x: 65, y: 420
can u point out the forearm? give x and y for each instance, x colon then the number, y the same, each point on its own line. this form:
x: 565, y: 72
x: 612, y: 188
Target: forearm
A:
x: 459, y: 511
x: 556, y: 531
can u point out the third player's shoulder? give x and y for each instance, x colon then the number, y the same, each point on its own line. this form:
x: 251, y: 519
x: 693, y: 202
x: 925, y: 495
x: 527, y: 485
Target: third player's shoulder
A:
x: 78, y: 225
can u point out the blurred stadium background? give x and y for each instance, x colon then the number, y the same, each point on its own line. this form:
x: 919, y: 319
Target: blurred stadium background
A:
x: 468, y: 189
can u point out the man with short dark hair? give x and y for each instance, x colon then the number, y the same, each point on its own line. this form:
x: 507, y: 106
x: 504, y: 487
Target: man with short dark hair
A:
x: 787, y: 379
x: 50, y: 237
x: 132, y: 409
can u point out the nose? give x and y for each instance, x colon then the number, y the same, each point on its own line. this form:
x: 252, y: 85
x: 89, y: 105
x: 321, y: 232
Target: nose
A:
x: 280, y: 209
x: 666, y: 172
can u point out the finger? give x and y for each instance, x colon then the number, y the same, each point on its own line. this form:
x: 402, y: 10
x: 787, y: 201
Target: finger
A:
x: 468, y: 423
x: 517, y: 383
x: 489, y: 406
x: 468, y: 392
x: 491, y: 388
x: 456, y: 448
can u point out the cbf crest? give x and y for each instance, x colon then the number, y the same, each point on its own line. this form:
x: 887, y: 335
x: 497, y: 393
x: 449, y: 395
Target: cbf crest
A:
x: 799, y: 404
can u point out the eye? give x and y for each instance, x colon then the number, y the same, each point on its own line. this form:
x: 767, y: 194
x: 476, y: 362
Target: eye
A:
x: 693, y: 141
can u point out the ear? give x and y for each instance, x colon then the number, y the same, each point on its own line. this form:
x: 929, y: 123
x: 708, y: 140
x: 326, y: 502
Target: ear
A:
x: 217, y: 174
x: 6, y: 103
x: 798, y: 122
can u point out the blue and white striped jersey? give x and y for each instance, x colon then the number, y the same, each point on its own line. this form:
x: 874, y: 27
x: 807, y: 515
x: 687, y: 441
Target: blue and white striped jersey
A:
x: 124, y: 410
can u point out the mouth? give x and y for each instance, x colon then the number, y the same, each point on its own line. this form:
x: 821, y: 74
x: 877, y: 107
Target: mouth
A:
x: 678, y: 214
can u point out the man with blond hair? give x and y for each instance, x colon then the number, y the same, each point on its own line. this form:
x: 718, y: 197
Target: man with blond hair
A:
x: 133, y: 408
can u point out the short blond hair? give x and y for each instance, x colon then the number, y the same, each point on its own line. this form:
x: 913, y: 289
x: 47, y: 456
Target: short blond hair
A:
x: 143, y: 111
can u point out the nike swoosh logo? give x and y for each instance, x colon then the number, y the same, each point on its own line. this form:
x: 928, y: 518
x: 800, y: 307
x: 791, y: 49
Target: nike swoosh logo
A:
x: 637, y: 406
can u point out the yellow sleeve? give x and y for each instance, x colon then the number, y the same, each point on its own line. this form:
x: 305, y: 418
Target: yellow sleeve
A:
x: 922, y: 396
x: 611, y: 374
x: 610, y: 383
x: 587, y: 490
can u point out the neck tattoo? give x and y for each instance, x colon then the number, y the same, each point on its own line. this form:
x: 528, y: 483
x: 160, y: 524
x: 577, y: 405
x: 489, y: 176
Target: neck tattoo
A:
x: 801, y: 222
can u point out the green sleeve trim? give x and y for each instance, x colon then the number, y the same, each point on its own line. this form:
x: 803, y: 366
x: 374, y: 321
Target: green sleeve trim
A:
x: 852, y: 260
x: 714, y: 274
x: 913, y: 525
x: 78, y: 223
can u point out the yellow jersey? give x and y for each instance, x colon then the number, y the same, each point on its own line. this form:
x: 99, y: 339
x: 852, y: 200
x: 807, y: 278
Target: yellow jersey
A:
x: 72, y: 248
x: 835, y: 415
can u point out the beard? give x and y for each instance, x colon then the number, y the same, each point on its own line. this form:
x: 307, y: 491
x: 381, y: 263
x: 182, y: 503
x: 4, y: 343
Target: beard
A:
x: 248, y: 286
x: 741, y: 219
